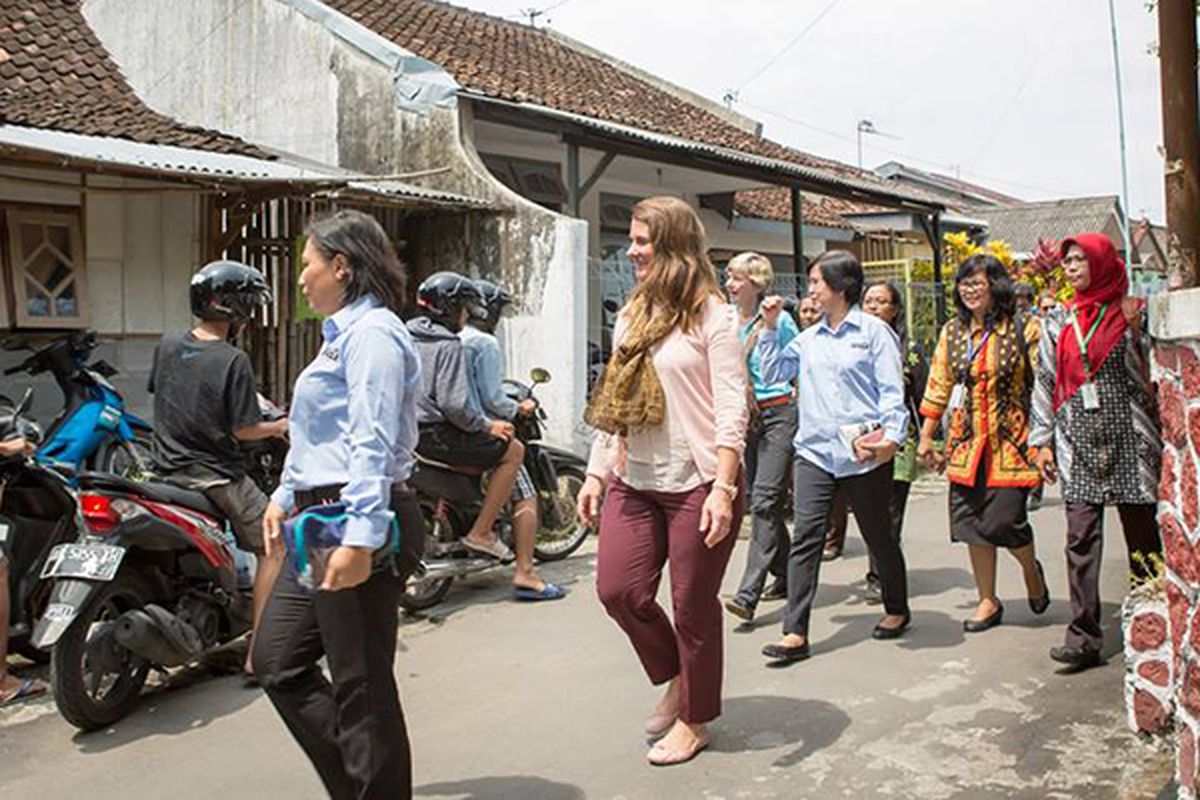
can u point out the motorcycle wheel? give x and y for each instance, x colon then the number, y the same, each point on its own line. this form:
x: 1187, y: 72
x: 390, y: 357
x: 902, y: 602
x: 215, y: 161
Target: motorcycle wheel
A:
x: 556, y: 544
x: 91, y: 695
x: 423, y: 595
x: 119, y: 458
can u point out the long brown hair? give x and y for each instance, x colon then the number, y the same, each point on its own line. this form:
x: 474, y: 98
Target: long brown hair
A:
x: 681, y: 276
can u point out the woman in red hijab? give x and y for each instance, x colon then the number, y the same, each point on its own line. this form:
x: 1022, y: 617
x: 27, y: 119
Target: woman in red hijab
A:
x: 1094, y: 404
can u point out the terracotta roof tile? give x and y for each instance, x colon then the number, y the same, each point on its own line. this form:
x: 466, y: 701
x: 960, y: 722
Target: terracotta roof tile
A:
x: 55, y: 73
x: 516, y: 62
x: 775, y: 203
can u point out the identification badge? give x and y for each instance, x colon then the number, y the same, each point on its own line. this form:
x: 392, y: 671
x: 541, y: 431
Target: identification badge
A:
x: 1091, y: 397
x: 958, y: 396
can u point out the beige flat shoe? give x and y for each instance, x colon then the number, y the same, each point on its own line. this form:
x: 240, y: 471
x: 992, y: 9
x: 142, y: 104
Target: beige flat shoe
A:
x: 658, y: 724
x: 660, y: 756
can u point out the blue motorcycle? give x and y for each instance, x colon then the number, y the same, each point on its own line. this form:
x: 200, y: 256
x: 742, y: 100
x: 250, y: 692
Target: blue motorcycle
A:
x: 93, y: 431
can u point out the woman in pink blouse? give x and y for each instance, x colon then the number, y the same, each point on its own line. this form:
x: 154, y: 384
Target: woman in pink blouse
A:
x: 671, y: 411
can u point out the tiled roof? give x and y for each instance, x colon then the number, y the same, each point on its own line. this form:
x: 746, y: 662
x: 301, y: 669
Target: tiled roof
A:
x: 775, y: 203
x: 1021, y: 224
x: 55, y: 74
x: 510, y: 61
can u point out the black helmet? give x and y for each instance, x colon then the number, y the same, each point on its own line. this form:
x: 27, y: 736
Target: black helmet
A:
x: 443, y: 295
x: 228, y: 291
x: 495, y: 298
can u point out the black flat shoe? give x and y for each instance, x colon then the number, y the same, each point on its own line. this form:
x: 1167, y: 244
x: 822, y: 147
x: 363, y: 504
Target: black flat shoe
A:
x: 779, y: 652
x: 881, y: 632
x: 1079, y: 658
x: 1038, y: 605
x: 981, y: 625
x: 740, y: 610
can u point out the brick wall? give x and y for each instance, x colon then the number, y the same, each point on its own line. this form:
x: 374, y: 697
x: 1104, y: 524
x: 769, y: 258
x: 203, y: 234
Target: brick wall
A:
x: 1176, y: 369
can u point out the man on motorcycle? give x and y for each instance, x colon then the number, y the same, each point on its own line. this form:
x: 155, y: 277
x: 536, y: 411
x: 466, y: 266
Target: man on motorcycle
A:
x: 453, y: 429
x: 12, y: 688
x: 205, y: 403
x: 485, y: 373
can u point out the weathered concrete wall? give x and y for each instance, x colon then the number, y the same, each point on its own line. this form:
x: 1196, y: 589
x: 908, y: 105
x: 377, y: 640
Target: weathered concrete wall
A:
x: 298, y: 77
x: 1177, y: 370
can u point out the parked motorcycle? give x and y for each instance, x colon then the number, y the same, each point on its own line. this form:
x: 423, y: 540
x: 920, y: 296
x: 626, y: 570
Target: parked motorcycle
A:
x: 152, y: 584
x: 263, y: 458
x: 450, y: 498
x: 94, y: 430
x: 37, y: 512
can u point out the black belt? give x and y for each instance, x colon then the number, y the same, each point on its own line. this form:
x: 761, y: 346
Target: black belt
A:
x: 324, y: 495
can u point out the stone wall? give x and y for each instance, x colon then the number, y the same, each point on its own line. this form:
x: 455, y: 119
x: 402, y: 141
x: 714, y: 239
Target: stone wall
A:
x: 1175, y: 325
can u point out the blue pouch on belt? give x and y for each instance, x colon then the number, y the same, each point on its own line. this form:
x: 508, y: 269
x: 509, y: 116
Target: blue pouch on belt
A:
x: 313, y: 534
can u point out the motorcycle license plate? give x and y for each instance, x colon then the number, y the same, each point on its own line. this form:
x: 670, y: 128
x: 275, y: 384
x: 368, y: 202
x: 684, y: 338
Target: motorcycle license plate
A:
x: 92, y: 561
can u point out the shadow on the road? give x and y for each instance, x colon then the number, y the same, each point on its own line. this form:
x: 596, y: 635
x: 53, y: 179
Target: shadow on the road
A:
x: 923, y: 582
x: 761, y: 722
x: 502, y: 787
x: 188, y: 699
x: 494, y: 586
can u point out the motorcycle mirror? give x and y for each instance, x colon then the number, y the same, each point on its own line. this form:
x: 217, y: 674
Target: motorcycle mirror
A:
x: 26, y: 402
x: 539, y: 375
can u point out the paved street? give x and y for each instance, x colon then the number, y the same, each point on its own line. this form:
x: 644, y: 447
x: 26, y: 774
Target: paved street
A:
x: 516, y: 702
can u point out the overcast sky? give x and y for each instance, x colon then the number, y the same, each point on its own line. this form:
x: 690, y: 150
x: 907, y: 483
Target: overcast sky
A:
x: 1017, y: 95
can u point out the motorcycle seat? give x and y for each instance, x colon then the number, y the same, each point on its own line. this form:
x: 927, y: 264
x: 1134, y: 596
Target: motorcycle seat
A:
x: 158, y: 492
x: 461, y: 469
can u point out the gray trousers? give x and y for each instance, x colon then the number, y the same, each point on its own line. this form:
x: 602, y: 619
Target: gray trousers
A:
x: 768, y: 466
x: 814, y: 493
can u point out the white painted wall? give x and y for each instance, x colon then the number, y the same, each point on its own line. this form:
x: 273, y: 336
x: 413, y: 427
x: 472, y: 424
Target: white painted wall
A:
x: 551, y: 334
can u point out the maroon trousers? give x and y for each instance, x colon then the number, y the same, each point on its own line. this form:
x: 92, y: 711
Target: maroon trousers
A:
x: 639, y: 532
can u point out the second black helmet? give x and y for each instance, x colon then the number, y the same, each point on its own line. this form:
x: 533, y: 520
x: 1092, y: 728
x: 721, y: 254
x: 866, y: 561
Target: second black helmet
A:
x: 443, y: 296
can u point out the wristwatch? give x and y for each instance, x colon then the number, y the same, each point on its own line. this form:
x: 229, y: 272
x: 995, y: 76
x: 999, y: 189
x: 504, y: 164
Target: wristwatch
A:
x: 728, y: 488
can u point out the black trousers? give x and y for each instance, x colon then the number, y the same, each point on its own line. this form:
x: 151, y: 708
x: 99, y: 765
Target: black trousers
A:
x: 899, y: 503
x: 769, y: 452
x: 814, y: 494
x: 1085, y: 545
x: 352, y: 729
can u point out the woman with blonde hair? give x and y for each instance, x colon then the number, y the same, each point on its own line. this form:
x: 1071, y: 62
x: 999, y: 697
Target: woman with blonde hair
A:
x: 671, y: 414
x: 772, y: 408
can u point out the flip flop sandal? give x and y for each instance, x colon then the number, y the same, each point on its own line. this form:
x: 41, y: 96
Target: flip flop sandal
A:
x: 29, y: 688
x: 551, y: 591
x: 496, y: 549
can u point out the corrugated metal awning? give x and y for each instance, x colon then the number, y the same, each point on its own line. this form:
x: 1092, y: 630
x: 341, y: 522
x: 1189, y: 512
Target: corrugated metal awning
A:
x: 770, y: 170
x: 216, y: 170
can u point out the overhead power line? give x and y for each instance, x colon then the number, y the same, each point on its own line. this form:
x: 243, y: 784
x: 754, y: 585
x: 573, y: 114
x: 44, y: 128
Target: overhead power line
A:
x: 795, y: 40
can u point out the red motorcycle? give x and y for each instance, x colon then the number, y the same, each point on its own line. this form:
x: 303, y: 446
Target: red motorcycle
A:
x: 151, y: 584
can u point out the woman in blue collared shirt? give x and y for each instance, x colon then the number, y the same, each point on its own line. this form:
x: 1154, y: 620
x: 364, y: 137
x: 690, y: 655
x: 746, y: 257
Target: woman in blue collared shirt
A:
x: 353, y: 430
x: 849, y: 373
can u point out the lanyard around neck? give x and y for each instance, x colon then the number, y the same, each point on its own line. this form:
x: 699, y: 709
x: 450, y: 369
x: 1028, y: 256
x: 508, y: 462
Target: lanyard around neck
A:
x: 1085, y: 340
x: 973, y: 352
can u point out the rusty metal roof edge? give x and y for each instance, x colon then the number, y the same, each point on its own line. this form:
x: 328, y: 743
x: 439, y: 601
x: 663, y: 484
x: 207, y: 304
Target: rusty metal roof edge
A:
x: 175, y: 161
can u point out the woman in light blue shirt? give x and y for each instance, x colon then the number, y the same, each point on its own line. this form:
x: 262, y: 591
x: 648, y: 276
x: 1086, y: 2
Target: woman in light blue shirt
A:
x: 768, y: 441
x: 353, y: 430
x: 849, y: 374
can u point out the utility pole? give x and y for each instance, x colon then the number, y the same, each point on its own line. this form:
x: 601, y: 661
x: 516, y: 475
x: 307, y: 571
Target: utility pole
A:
x: 1112, y: 18
x: 1181, y: 139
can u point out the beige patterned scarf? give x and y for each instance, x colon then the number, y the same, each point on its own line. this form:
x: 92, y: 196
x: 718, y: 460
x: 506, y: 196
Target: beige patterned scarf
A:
x: 629, y: 395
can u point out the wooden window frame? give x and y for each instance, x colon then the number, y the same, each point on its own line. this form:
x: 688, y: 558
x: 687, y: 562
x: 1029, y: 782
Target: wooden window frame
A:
x: 15, y: 216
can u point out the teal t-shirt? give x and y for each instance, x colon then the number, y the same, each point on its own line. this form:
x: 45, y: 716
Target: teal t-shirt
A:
x: 768, y: 391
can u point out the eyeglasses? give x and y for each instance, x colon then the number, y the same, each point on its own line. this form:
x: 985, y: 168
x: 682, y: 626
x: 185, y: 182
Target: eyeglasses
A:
x: 972, y: 286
